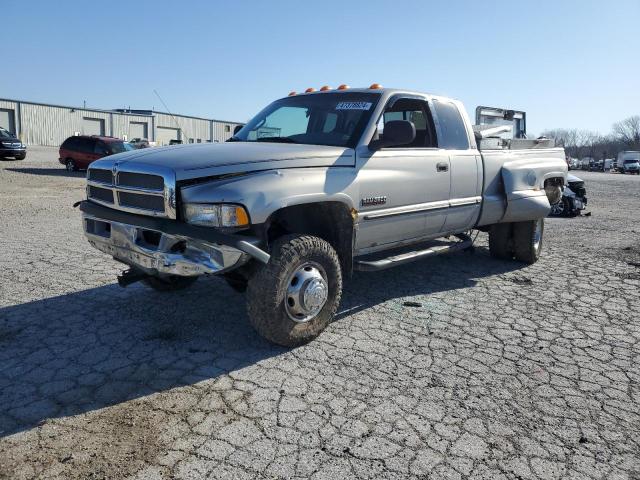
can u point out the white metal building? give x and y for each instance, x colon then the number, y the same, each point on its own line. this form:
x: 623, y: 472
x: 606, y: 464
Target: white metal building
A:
x: 44, y: 124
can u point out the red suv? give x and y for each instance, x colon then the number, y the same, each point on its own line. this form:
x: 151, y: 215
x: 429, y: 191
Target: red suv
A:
x: 79, y: 151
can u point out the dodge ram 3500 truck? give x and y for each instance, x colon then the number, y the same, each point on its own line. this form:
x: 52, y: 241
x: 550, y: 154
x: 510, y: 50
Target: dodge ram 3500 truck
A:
x: 315, y: 186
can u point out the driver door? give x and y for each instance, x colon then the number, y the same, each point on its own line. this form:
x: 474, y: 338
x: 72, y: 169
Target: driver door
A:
x: 404, y: 189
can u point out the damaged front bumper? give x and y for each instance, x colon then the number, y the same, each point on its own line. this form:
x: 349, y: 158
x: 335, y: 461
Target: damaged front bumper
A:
x: 166, y: 247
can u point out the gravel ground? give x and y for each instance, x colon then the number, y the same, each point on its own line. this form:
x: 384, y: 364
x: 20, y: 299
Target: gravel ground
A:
x: 455, y: 367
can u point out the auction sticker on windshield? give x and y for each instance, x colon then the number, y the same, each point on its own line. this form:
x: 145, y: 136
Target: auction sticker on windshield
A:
x: 353, y: 106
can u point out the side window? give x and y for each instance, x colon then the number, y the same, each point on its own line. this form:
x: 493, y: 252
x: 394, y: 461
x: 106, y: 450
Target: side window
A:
x: 84, y: 145
x: 452, y: 130
x: 100, y: 148
x: 415, y: 111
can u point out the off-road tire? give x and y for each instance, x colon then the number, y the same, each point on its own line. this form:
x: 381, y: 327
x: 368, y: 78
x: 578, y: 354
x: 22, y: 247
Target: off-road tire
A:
x: 267, y: 290
x: 169, y: 284
x: 524, y: 241
x: 500, y: 241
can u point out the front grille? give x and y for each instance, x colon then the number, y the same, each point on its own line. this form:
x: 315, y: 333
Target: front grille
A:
x: 102, y: 194
x: 144, y: 202
x: 132, y: 191
x: 102, y: 176
x: 140, y: 180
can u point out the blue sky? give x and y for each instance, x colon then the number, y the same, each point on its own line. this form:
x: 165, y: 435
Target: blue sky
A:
x: 571, y: 63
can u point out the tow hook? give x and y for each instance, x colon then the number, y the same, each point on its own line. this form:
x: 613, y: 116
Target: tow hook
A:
x: 131, y: 276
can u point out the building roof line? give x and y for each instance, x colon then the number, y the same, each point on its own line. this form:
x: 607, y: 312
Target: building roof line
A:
x: 101, y: 110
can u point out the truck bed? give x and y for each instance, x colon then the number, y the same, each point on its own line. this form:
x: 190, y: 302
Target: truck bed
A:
x: 514, y: 179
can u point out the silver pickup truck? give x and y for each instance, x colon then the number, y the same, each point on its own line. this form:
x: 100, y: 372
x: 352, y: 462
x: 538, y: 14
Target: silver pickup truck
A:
x: 315, y: 186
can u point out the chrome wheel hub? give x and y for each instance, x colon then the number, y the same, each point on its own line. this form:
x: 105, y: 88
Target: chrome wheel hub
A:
x: 307, y: 292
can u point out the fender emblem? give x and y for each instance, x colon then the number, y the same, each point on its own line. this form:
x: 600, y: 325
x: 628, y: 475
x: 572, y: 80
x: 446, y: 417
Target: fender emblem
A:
x: 370, y: 201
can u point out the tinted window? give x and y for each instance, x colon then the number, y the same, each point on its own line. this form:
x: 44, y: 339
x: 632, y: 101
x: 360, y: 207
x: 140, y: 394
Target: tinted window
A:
x: 452, y: 131
x: 119, y: 147
x: 415, y: 111
x: 100, y: 148
x: 85, y: 145
x: 70, y: 142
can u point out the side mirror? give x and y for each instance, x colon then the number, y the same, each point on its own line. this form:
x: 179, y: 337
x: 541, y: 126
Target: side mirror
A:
x: 237, y: 128
x: 396, y: 133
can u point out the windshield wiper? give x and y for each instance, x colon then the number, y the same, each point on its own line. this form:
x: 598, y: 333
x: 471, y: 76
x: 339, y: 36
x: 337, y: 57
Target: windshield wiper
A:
x: 276, y: 140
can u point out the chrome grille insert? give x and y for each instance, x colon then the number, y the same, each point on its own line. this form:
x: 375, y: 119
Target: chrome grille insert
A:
x: 135, y: 188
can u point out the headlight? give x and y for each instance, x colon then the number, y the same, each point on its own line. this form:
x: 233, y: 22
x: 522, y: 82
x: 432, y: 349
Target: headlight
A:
x: 215, y: 215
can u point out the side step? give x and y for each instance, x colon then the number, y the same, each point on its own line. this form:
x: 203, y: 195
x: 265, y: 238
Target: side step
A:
x: 393, y: 261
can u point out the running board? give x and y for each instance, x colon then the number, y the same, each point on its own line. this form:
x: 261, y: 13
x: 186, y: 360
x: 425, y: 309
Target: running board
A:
x: 393, y: 261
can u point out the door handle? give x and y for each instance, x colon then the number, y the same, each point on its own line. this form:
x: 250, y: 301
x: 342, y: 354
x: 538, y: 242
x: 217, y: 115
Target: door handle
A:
x: 442, y: 167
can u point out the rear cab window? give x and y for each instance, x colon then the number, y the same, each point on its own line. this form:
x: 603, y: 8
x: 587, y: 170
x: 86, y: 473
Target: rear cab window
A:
x: 452, y: 130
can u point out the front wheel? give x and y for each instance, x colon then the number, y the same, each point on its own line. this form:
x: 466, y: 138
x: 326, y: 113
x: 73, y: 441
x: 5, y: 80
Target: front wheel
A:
x: 293, y: 298
x: 527, y: 240
x: 20, y: 157
x: 70, y: 165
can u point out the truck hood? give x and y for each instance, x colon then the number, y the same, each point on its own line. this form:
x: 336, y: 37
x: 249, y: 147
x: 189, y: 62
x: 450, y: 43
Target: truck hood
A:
x: 211, y: 159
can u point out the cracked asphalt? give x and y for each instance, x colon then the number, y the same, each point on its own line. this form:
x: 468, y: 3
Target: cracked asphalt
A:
x: 455, y: 367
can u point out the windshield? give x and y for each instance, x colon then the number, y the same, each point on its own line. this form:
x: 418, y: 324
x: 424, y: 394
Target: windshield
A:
x: 119, y: 147
x: 631, y: 160
x: 336, y: 119
x: 5, y: 133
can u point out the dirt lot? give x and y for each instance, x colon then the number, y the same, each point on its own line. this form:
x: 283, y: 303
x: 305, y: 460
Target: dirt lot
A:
x: 492, y: 370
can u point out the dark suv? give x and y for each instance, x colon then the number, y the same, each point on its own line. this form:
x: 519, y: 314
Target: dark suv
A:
x: 11, y: 146
x: 79, y: 151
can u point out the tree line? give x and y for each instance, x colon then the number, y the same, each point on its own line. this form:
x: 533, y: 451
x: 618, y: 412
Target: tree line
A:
x: 625, y: 135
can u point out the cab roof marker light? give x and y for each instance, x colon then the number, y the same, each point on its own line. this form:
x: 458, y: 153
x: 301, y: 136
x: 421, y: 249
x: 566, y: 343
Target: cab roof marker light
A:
x: 310, y: 90
x: 325, y: 88
x: 344, y: 86
x: 375, y: 86
x: 292, y: 93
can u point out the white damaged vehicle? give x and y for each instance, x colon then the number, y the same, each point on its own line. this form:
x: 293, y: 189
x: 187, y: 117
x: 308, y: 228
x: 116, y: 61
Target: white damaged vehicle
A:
x: 315, y: 186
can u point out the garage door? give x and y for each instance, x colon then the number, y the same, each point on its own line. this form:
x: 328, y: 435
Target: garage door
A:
x: 7, y: 120
x: 138, y: 130
x: 92, y: 126
x: 165, y: 134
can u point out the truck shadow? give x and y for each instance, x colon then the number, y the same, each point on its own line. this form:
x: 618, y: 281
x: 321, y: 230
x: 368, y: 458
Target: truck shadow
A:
x: 99, y: 347
x: 51, y: 172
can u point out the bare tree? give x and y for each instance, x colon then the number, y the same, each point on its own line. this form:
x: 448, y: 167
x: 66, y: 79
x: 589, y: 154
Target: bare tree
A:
x: 628, y: 131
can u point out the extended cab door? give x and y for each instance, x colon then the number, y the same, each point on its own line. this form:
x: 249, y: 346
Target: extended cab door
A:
x: 404, y: 190
x: 465, y: 165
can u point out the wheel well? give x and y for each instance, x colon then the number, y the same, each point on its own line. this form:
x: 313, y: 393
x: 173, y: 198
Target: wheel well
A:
x: 331, y: 221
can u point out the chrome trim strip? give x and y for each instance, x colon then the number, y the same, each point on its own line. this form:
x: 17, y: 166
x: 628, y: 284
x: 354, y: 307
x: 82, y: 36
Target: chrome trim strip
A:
x: 460, y: 202
x: 421, y: 207
x: 145, y: 191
